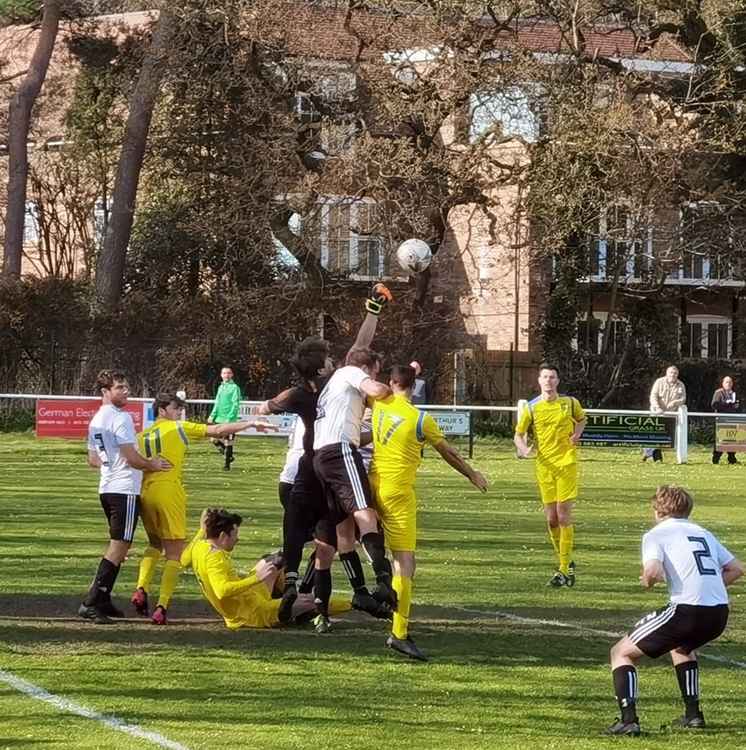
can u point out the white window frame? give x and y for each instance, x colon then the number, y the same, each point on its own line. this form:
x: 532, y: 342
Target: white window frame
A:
x: 705, y: 321
x: 525, y: 124
x: 603, y: 244
x: 603, y: 319
x: 31, y: 228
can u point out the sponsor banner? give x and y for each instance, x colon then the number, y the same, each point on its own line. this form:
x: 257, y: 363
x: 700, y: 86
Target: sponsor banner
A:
x: 614, y: 430
x: 454, y: 423
x: 69, y: 418
x: 285, y: 423
x: 730, y: 435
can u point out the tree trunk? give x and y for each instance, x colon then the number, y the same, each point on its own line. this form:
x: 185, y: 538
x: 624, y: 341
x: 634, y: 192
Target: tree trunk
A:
x: 19, y: 123
x: 111, y: 261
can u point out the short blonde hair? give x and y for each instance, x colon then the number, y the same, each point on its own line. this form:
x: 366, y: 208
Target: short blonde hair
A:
x: 673, y: 501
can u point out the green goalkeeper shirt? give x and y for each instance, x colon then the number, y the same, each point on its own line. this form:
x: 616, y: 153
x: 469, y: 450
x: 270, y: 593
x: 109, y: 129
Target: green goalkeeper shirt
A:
x: 227, y: 400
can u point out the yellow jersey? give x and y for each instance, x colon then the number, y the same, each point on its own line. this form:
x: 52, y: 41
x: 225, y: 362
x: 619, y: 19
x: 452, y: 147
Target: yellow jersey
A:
x: 168, y: 439
x: 553, y: 423
x: 229, y: 594
x: 399, y: 432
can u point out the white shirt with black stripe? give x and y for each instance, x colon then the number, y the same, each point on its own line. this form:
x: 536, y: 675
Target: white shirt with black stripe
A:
x: 340, y: 409
x: 693, y: 560
x: 109, y: 429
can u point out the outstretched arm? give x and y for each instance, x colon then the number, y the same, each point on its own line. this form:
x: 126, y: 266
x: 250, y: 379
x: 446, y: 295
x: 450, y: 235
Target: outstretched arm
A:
x: 379, y: 297
x: 452, y: 457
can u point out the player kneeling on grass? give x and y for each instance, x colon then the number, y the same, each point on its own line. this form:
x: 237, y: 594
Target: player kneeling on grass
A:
x: 400, y: 432
x: 696, y: 568
x: 243, y: 602
x: 164, y: 500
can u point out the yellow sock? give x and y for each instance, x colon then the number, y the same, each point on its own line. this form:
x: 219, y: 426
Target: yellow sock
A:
x: 147, y: 567
x: 169, y: 579
x: 566, y: 542
x: 403, y: 587
x: 554, y: 538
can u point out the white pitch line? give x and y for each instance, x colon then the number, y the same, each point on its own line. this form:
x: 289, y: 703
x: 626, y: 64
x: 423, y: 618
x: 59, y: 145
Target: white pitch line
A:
x: 583, y: 629
x: 38, y: 693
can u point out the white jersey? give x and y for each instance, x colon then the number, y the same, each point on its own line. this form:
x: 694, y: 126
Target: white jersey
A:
x: 110, y: 428
x: 295, y: 451
x: 693, y: 559
x: 340, y: 409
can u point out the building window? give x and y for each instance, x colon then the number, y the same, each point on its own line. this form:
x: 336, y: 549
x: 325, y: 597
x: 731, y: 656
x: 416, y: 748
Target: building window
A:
x: 100, y: 221
x: 590, y: 334
x: 31, y: 223
x: 623, y: 246
x: 707, y: 337
x: 514, y: 111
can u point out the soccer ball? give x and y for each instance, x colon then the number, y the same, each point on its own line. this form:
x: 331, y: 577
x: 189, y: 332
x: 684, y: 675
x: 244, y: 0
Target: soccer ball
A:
x: 414, y: 255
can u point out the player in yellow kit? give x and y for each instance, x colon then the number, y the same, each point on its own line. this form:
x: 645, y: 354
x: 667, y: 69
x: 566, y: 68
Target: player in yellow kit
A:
x: 163, y: 502
x: 242, y: 602
x: 558, y: 423
x: 399, y: 433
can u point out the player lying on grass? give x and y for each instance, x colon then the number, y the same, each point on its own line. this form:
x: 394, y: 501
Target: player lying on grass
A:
x: 697, y: 568
x: 163, y: 498
x: 400, y: 431
x: 243, y: 602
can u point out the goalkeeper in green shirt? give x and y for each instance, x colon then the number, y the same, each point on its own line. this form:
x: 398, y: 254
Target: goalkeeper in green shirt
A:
x: 227, y: 401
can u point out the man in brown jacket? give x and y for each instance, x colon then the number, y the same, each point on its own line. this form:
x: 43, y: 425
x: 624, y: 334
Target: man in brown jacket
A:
x: 667, y: 394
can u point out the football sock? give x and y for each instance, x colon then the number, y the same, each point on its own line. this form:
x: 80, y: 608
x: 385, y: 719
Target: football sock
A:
x: 566, y: 543
x: 374, y: 546
x: 169, y: 579
x: 103, y: 583
x: 147, y: 568
x: 307, y: 581
x: 354, y: 568
x: 625, y: 688
x: 403, y: 587
x: 291, y: 579
x: 228, y: 456
x: 554, y: 538
x: 688, y: 676
x: 323, y: 589
x: 295, y: 533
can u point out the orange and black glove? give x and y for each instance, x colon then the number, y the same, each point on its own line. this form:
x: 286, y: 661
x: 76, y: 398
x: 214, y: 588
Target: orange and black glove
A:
x: 377, y: 299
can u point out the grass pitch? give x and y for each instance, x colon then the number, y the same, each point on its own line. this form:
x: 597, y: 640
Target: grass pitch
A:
x: 493, y: 682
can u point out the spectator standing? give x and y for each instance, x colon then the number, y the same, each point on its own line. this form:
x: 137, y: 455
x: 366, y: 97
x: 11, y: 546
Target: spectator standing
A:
x: 724, y: 401
x: 667, y: 394
x: 420, y: 389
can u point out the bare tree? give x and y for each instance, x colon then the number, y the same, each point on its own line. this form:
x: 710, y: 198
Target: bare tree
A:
x: 111, y: 262
x: 19, y: 123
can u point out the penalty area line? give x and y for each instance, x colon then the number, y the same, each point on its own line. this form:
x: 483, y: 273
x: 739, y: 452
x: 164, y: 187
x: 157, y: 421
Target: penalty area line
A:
x: 63, y: 704
x: 588, y: 631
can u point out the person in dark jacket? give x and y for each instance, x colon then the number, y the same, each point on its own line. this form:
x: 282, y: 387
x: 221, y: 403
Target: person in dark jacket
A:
x: 724, y: 401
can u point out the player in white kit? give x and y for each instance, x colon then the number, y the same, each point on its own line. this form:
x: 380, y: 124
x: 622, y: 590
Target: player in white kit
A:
x: 696, y: 568
x: 112, y: 448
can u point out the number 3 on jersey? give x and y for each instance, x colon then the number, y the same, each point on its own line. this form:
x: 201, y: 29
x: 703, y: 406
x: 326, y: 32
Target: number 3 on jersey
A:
x: 702, y: 554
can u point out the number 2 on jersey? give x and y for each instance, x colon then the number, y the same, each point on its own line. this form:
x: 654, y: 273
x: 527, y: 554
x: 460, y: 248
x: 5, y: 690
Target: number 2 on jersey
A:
x: 702, y: 554
x: 101, y: 448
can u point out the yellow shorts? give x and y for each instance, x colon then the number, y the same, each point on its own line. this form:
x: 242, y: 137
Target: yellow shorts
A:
x: 163, y: 511
x: 397, y: 510
x: 259, y: 610
x: 557, y: 484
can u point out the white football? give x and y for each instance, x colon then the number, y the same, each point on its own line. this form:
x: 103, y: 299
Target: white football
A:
x: 414, y: 255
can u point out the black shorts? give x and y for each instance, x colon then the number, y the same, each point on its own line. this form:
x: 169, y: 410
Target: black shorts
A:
x: 679, y: 626
x: 342, y: 473
x: 122, y: 512
x: 307, y: 506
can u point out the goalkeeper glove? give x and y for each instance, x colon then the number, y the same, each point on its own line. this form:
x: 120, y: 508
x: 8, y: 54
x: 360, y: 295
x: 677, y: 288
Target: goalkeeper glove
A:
x: 378, y: 297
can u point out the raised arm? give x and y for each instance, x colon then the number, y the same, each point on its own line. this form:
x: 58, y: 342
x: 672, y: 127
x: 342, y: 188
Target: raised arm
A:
x: 453, y: 458
x: 378, y: 298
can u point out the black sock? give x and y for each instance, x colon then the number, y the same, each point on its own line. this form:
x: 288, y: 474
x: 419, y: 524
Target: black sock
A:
x: 103, y: 583
x: 228, y: 456
x: 306, y: 583
x: 323, y: 589
x: 374, y: 546
x: 688, y: 676
x: 295, y: 533
x: 625, y: 688
x: 354, y: 568
x: 291, y: 579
